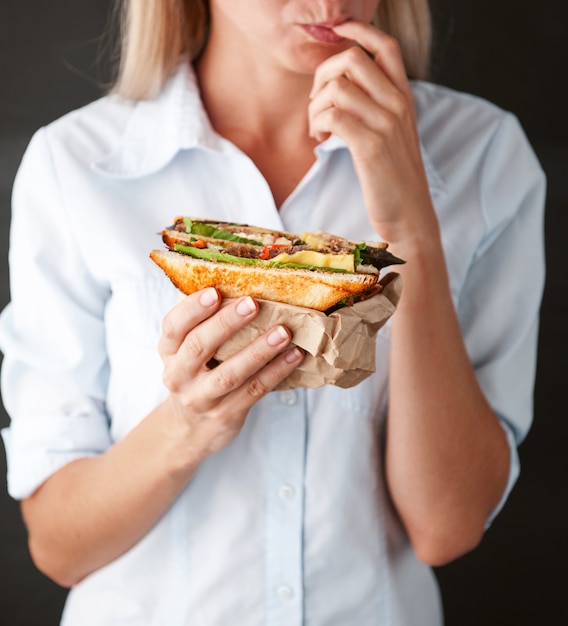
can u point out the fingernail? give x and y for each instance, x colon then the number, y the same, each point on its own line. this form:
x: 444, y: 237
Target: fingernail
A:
x: 246, y: 306
x: 209, y: 297
x: 293, y: 355
x: 277, y: 336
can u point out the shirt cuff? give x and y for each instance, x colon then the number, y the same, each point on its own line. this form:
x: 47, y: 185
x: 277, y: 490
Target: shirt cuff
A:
x: 37, y: 447
x: 514, y: 471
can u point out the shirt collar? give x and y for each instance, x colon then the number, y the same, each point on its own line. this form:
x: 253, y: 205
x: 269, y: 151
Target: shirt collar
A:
x: 159, y: 128
x: 176, y: 120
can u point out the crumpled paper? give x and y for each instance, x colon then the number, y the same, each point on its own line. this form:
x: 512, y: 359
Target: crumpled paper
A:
x: 340, y: 347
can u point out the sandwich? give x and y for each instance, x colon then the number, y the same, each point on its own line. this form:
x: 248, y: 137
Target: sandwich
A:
x: 316, y: 270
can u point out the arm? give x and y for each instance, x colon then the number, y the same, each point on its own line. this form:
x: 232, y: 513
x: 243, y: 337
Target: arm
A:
x: 499, y: 305
x: 447, y: 457
x: 94, y: 509
x: 85, y: 499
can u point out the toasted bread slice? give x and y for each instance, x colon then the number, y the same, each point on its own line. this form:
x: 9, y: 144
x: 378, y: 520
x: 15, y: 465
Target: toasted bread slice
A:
x: 319, y: 290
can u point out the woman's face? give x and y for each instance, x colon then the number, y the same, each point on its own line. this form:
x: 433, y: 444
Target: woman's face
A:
x: 294, y: 34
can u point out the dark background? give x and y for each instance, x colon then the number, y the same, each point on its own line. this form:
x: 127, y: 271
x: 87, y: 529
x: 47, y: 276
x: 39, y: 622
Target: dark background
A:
x: 53, y: 59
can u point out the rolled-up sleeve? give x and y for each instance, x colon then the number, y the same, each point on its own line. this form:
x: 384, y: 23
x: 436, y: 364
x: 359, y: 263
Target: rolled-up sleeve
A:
x: 500, y: 301
x: 54, y: 371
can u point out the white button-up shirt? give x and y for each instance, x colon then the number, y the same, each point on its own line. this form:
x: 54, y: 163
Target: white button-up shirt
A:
x: 292, y: 524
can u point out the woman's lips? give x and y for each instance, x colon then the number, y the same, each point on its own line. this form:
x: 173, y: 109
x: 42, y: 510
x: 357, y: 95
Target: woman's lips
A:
x: 323, y: 32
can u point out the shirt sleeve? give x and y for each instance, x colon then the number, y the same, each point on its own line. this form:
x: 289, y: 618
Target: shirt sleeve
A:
x: 54, y: 371
x: 500, y: 301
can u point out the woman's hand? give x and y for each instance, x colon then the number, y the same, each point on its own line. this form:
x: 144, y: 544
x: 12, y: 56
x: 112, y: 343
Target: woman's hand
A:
x: 446, y: 453
x: 363, y: 96
x: 94, y: 509
x: 209, y: 405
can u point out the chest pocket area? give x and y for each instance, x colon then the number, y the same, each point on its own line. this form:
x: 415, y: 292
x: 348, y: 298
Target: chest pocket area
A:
x: 133, y: 317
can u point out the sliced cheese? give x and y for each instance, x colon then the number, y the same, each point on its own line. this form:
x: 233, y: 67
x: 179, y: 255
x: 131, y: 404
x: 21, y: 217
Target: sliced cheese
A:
x: 314, y: 240
x: 318, y: 259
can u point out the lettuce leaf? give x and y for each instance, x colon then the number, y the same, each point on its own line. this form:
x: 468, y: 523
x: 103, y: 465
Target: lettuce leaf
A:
x: 208, y: 230
x: 216, y: 255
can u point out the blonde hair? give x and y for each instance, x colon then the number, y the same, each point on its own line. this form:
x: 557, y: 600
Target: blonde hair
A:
x: 410, y: 23
x: 154, y: 34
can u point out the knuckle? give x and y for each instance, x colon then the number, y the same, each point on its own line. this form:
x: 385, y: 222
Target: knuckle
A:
x: 391, y: 46
x: 224, y: 377
x: 337, y: 84
x: 193, y: 345
x: 171, y: 381
x: 400, y: 105
x: 168, y: 328
x: 225, y: 322
x: 256, y: 388
x: 338, y: 87
x: 355, y: 55
x: 257, y: 355
x: 319, y: 72
x: 335, y: 115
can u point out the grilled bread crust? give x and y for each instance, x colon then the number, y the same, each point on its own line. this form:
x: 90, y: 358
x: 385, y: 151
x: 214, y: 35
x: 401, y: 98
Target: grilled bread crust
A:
x: 313, y: 289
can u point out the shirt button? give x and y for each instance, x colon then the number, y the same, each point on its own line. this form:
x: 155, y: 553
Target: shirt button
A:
x: 286, y: 492
x: 285, y: 592
x: 288, y: 397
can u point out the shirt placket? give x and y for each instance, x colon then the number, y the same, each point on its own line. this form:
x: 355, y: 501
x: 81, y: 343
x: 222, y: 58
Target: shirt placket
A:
x: 285, y: 508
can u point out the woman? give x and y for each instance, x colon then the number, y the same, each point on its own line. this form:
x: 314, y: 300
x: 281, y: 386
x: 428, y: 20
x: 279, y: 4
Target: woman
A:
x: 164, y: 492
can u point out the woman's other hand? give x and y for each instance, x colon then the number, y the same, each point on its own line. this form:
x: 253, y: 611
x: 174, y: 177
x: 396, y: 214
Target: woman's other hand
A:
x: 363, y: 96
x: 446, y: 454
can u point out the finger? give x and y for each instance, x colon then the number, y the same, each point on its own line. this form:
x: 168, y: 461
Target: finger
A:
x: 364, y: 144
x: 354, y: 65
x: 343, y: 109
x: 384, y: 49
x: 235, y: 371
x: 266, y: 379
x: 344, y: 95
x: 185, y: 316
x: 203, y: 341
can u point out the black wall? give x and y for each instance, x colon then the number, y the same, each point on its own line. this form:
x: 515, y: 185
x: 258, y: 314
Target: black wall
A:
x: 53, y: 59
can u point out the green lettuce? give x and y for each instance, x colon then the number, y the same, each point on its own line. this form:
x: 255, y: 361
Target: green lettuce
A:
x: 208, y: 230
x: 223, y: 257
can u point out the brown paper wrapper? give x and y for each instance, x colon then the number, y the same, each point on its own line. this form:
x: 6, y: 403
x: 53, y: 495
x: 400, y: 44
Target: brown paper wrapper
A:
x: 340, y: 347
